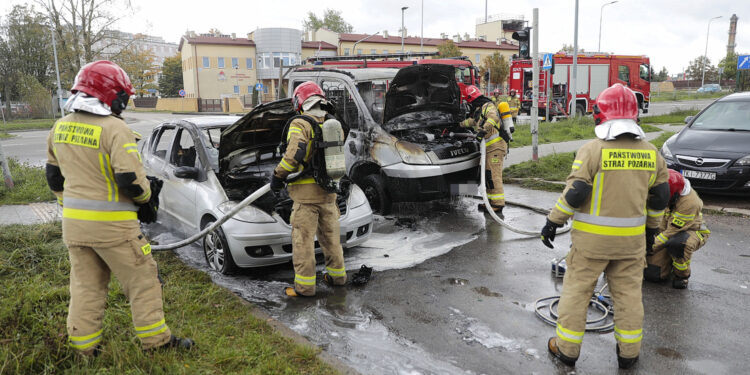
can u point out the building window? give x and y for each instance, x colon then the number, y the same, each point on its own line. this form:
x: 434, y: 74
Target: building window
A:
x: 250, y: 89
x: 221, y: 62
x: 359, y: 51
x: 249, y: 63
x: 385, y: 51
x: 206, y: 62
x: 346, y: 51
x: 236, y: 89
x: 476, y: 57
x: 373, y: 51
x: 235, y: 62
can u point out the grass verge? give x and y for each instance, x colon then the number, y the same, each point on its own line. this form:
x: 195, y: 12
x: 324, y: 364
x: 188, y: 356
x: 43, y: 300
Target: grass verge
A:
x: 555, y: 167
x: 30, y: 185
x: 34, y: 276
x: 33, y: 124
x: 561, y: 131
x: 674, y: 117
x: 679, y: 95
x: 4, y: 135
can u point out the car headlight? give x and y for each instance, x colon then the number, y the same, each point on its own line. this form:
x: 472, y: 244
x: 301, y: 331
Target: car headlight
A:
x: 356, y: 197
x: 665, y: 151
x: 248, y: 214
x: 743, y: 162
x: 411, y: 153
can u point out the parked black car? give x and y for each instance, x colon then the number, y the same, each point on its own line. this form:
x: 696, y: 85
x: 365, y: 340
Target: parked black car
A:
x: 713, y: 150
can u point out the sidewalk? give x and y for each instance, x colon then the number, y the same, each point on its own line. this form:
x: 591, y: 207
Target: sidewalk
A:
x: 35, y: 213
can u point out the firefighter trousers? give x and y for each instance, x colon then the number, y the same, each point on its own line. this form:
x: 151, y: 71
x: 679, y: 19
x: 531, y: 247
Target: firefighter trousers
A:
x: 680, y: 266
x: 493, y: 169
x: 309, y: 219
x: 135, y: 269
x: 625, y: 277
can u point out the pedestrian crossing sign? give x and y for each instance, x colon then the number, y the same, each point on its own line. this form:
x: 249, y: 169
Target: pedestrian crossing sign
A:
x: 547, y: 65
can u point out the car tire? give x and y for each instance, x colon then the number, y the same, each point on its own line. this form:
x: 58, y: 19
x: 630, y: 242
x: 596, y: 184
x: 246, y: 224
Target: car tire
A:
x: 216, y: 251
x: 374, y: 188
x: 580, y: 111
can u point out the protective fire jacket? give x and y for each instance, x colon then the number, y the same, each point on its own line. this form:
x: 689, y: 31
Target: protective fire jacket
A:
x: 606, y: 195
x: 299, y: 152
x: 95, y: 170
x: 685, y: 215
x: 515, y: 105
x: 489, y: 122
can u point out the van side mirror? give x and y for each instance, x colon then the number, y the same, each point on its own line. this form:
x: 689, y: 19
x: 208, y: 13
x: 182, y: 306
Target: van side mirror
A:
x: 187, y: 172
x: 688, y: 119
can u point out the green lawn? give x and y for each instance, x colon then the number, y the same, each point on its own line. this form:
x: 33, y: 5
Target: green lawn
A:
x: 554, y: 167
x: 4, y: 135
x: 30, y: 185
x: 34, y: 277
x: 674, y: 117
x: 561, y: 131
x: 679, y: 95
x: 33, y: 124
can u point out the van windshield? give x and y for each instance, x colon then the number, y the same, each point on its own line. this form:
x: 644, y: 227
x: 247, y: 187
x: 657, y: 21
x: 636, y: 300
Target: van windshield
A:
x: 373, y: 94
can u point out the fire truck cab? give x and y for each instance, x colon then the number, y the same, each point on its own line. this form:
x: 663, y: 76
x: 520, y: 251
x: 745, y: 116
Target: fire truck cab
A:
x: 596, y: 72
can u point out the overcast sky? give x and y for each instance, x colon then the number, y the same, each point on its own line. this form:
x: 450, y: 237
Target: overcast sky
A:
x: 670, y: 32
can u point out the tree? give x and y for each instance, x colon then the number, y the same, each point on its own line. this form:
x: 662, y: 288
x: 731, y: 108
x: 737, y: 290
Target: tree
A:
x: 729, y: 64
x: 83, y: 30
x: 33, y: 93
x: 569, y: 49
x: 662, y: 76
x: 498, y: 68
x: 140, y: 64
x: 449, y: 49
x: 170, y: 80
x: 331, y: 20
x: 695, y: 69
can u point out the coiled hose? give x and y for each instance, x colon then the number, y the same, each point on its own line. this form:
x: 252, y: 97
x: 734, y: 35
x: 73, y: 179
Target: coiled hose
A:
x: 483, y: 194
x: 546, y: 309
x: 250, y: 199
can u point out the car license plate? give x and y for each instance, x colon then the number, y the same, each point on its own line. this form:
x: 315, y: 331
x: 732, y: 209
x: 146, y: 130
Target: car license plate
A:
x: 699, y: 175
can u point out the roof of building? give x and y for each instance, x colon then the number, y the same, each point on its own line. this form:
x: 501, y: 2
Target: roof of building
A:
x: 209, y: 39
x: 318, y: 45
x: 411, y: 40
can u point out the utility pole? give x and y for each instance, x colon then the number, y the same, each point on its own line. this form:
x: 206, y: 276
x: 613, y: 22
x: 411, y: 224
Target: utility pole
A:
x: 535, y: 87
x: 421, y: 32
x: 6, y: 169
x: 599, y: 47
x: 705, y: 53
x: 57, y: 71
x: 403, y: 31
x: 574, y: 73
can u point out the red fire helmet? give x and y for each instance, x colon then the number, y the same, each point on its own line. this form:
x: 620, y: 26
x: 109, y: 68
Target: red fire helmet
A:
x: 615, y: 102
x: 676, y: 182
x: 305, y: 91
x: 105, y: 81
x: 471, y: 93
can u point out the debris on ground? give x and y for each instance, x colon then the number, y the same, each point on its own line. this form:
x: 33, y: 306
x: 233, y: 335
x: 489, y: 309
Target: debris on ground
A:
x: 362, y: 276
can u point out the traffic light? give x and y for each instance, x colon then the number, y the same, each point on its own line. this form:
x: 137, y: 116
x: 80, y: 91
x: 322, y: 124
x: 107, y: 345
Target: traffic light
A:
x: 522, y: 36
x: 487, y: 76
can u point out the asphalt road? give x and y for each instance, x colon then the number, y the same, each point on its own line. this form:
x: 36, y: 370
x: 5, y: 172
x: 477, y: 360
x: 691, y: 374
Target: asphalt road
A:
x: 454, y: 294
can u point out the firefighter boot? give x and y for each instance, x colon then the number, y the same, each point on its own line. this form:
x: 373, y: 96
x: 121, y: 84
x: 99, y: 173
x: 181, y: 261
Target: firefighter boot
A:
x: 624, y: 363
x: 555, y: 351
x: 177, y: 343
x: 680, y: 282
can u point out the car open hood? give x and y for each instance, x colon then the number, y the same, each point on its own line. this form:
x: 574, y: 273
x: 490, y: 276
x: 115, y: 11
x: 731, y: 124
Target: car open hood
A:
x: 261, y: 128
x: 430, y: 87
x: 734, y: 142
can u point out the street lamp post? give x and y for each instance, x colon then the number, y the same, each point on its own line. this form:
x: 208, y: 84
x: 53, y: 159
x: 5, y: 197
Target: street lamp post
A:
x: 599, y: 48
x: 354, y: 47
x: 705, y: 52
x: 402, y: 28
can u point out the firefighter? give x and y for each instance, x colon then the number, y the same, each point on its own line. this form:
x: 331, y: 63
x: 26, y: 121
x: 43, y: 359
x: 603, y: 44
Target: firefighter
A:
x: 681, y: 233
x: 314, y: 210
x: 94, y: 169
x: 486, y: 121
x: 496, y: 96
x: 617, y: 188
x: 515, y: 104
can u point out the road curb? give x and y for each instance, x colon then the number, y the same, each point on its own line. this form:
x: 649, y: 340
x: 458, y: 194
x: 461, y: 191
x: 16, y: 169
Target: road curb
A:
x: 731, y: 210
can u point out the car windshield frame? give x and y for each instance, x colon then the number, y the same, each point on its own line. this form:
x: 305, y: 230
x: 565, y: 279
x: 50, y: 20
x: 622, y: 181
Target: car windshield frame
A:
x: 725, y: 115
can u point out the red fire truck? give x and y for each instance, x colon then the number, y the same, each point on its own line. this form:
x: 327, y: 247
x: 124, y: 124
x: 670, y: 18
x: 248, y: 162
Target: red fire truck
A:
x: 596, y: 72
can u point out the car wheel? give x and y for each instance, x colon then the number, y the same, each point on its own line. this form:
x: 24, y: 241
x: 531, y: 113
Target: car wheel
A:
x: 374, y: 189
x: 217, y: 253
x: 580, y: 111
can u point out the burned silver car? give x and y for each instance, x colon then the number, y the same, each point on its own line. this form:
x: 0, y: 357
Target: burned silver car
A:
x: 210, y: 163
x: 404, y: 142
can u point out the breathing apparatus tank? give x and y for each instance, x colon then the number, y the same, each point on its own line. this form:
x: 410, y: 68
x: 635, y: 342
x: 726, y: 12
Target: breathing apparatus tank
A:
x: 333, y: 147
x: 507, y: 119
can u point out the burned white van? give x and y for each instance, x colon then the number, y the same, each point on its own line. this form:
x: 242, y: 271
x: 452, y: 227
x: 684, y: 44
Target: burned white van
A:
x: 404, y: 142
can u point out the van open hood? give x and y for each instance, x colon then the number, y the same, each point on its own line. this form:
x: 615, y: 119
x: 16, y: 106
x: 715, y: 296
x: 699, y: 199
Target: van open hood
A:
x: 419, y: 88
x: 260, y: 129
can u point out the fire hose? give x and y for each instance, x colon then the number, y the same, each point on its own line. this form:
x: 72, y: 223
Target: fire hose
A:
x: 599, y: 301
x: 250, y: 199
x: 483, y: 194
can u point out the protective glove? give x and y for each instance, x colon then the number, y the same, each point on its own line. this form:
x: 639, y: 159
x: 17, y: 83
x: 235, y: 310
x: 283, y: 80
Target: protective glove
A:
x: 548, y: 233
x: 147, y: 211
x: 650, y: 237
x: 276, y: 185
x: 345, y: 185
x: 481, y: 134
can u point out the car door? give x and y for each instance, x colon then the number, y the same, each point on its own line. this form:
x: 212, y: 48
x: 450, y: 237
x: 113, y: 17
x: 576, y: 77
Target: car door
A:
x: 156, y: 161
x: 182, y: 191
x: 347, y: 109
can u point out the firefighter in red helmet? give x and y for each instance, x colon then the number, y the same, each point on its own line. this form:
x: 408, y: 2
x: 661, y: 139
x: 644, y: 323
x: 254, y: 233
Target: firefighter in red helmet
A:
x: 681, y: 233
x: 94, y: 169
x: 616, y: 190
x: 314, y: 211
x: 486, y: 121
